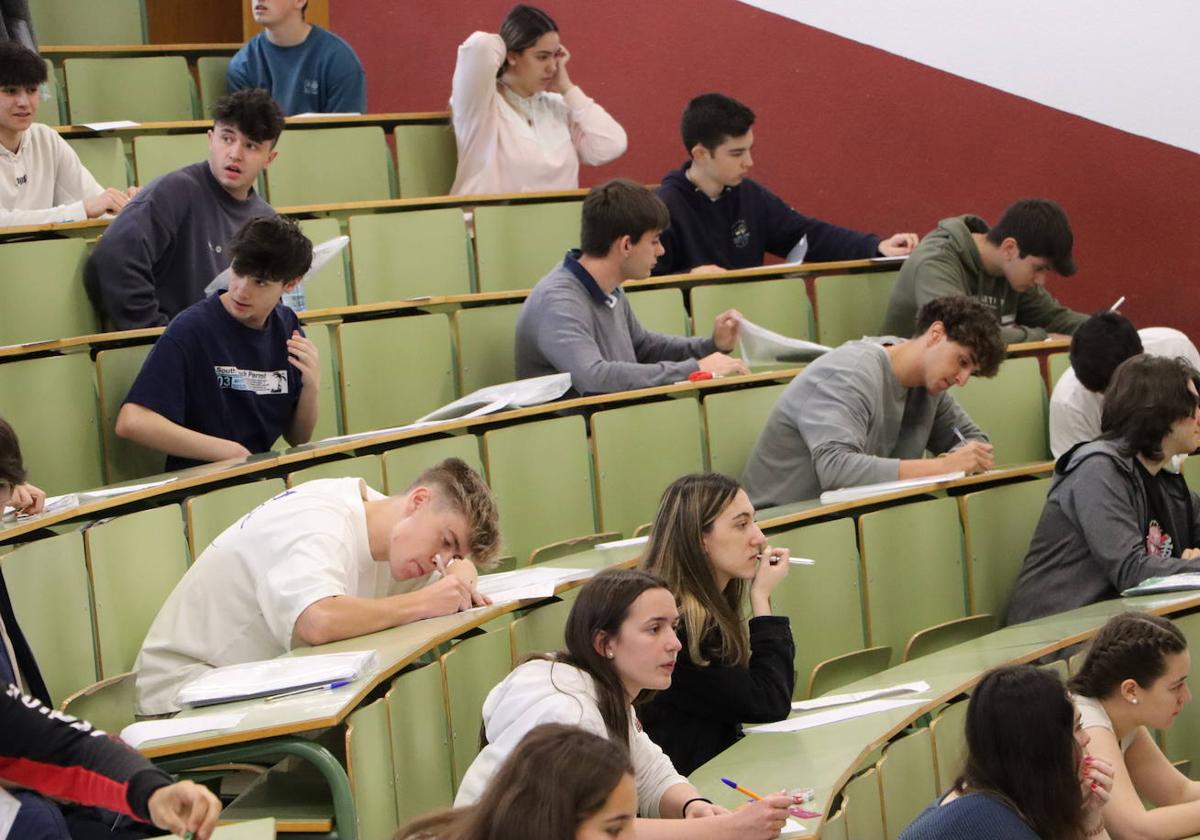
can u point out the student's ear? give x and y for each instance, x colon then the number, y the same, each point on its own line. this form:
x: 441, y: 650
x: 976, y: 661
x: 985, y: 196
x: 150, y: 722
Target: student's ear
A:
x: 293, y: 283
x: 600, y: 644
x: 418, y: 497
x: 935, y: 333
x: 1128, y: 689
x: 624, y: 245
x: 699, y: 152
x: 271, y: 157
x: 1010, y: 248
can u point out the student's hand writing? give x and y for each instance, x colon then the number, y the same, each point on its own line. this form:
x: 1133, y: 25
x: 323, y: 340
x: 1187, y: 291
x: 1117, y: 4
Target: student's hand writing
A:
x: 773, y: 567
x: 708, y: 268
x: 132, y: 191
x: 109, y: 201
x: 185, y: 807
x: 561, y: 82
x: 700, y: 809
x: 451, y: 594
x: 762, y: 819
x: 306, y: 359
x: 1097, y: 783
x: 465, y: 569
x: 725, y: 329
x: 898, y: 244
x: 723, y: 365
x: 27, y: 499
x: 972, y: 457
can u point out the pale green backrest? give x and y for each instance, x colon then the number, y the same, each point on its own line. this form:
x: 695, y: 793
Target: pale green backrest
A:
x: 829, y: 675
x: 542, y: 480
x: 157, y: 154
x: 779, y: 305
x: 913, y: 568
x: 850, y: 306
x: 211, y: 69
x: 64, y: 22
x: 145, y: 89
x: 329, y: 420
x: 328, y: 287
x: 104, y: 157
x: 418, y: 253
x: 637, y: 451
x: 327, y: 165
x: 48, y: 584
x: 211, y: 513
x: 824, y: 601
x: 134, y: 562
x: 518, y: 244
x: 540, y: 630
x: 906, y: 780
x: 1191, y: 472
x: 1059, y: 363
x: 42, y: 289
x: 401, y: 466
x: 948, y: 731
x: 998, y: 524
x: 661, y: 310
x: 473, y: 667
x: 487, y: 338
x: 420, y: 728
x: 1011, y: 410
x: 367, y: 467
x: 835, y: 827
x: 733, y: 420
x: 371, y: 771
x: 116, y: 370
x: 863, y: 806
x: 394, y: 370
x: 51, y: 403
x: 426, y: 158
x: 1182, y: 740
x: 50, y: 109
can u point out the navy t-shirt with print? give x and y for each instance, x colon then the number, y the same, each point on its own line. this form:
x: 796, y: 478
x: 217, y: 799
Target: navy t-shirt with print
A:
x: 212, y: 374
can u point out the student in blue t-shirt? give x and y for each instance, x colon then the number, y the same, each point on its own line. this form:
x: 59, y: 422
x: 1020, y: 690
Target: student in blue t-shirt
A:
x: 233, y: 372
x: 306, y: 68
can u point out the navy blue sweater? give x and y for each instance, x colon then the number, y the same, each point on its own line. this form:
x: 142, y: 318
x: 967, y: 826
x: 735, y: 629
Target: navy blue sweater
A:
x: 745, y: 222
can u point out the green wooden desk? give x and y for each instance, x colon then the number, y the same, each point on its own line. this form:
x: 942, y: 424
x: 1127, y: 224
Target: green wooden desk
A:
x: 249, y: 830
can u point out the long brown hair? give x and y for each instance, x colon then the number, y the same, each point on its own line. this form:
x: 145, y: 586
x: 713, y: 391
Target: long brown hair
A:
x: 676, y: 554
x: 1130, y: 646
x: 557, y: 777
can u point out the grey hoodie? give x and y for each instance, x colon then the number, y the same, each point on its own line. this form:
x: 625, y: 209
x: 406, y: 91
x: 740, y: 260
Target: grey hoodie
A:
x: 1090, y: 543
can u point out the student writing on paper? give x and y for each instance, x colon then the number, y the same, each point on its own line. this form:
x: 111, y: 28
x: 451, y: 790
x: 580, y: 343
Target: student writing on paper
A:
x: 621, y: 643
x: 1114, y: 516
x: 705, y: 544
x: 68, y: 759
x: 156, y: 258
x: 520, y: 122
x: 1134, y: 681
x: 233, y: 372
x: 316, y: 564
x: 577, y: 319
x: 16, y: 493
x: 1027, y: 774
x: 42, y: 180
x: 560, y: 782
x: 1003, y: 267
x: 1100, y: 344
x: 867, y: 411
x: 722, y: 219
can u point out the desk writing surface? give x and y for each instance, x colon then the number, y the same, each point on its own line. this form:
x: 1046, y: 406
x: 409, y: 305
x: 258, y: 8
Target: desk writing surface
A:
x: 263, y: 829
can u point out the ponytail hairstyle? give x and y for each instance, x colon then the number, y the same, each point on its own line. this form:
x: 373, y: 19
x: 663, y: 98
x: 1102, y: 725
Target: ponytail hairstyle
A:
x: 556, y: 778
x: 1130, y: 646
x: 676, y: 554
x: 1021, y: 748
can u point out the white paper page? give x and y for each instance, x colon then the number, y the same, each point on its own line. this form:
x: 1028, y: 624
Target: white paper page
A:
x: 858, y: 697
x: 109, y: 492
x: 109, y: 126
x: 9, y: 805
x: 758, y: 345
x: 330, y: 114
x: 271, y: 676
x: 536, y: 582
x: 834, y: 715
x: 792, y: 826
x: 53, y: 504
x: 519, y: 394
x: 850, y: 494
x: 1168, y: 583
x: 139, y: 733
x: 623, y: 543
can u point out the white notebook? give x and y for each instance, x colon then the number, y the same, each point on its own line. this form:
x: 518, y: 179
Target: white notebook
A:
x: 259, y: 679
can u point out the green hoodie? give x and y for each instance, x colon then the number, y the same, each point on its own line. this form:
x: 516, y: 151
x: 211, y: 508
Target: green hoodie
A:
x: 947, y: 262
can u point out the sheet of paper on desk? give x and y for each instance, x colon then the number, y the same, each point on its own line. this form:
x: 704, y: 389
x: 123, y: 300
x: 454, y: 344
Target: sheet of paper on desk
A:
x: 859, y: 696
x: 271, y: 676
x: 139, y: 733
x: 109, y: 126
x: 850, y: 494
x: 536, y: 582
x: 632, y: 541
x: 519, y: 394
x: 840, y: 713
x: 1167, y: 583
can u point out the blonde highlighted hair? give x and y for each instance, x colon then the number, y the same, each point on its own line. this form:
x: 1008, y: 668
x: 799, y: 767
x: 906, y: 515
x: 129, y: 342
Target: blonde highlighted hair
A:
x: 464, y: 490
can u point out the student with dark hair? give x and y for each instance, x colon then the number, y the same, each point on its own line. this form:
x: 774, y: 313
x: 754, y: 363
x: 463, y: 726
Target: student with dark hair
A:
x: 1100, y: 344
x: 1114, y: 516
x: 1003, y: 267
x: 866, y: 412
x: 233, y: 372
x: 620, y: 645
x: 1132, y: 682
x: 520, y: 122
x: 16, y: 493
x: 306, y: 68
x: 560, y: 782
x: 42, y: 180
x: 1027, y: 774
x: 705, y: 545
x: 577, y: 320
x: 155, y: 260
x: 721, y: 219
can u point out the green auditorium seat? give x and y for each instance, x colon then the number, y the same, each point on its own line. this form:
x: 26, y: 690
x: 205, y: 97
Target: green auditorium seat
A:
x: 367, y: 467
x: 473, y: 667
x: 907, y: 782
x: 42, y: 288
x: 998, y: 525
x: 1011, y: 410
x: 210, y: 70
x: 330, y: 165
x: 371, y: 771
x: 734, y: 420
x: 116, y: 369
x: 66, y: 22
x: 486, y: 345
x: 328, y: 287
x: 104, y: 157
x: 158, y: 154
x: 850, y: 306
x: 144, y: 89
x: 208, y: 514
x: 426, y: 159
x: 660, y: 310
x: 778, y: 305
x: 414, y: 254
x: 518, y: 244
x: 402, y: 465
x: 420, y: 727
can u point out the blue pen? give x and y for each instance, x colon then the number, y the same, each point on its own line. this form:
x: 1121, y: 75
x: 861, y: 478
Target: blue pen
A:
x: 326, y: 687
x: 960, y: 437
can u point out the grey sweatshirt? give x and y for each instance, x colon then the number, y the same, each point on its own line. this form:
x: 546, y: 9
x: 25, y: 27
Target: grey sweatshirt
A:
x: 845, y: 421
x: 569, y: 325
x: 1090, y: 543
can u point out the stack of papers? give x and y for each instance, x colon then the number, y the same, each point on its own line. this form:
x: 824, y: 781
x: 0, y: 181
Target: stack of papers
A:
x: 58, y: 504
x: 760, y: 346
x: 533, y: 583
x: 144, y: 731
x: 632, y: 541
x: 850, y: 494
x: 519, y: 394
x: 272, y: 676
x: 859, y: 696
x: 834, y: 715
x: 1169, y: 583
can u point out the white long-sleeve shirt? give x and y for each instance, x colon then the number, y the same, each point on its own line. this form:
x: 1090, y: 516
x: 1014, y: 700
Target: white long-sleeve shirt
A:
x: 509, y: 143
x: 43, y: 181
